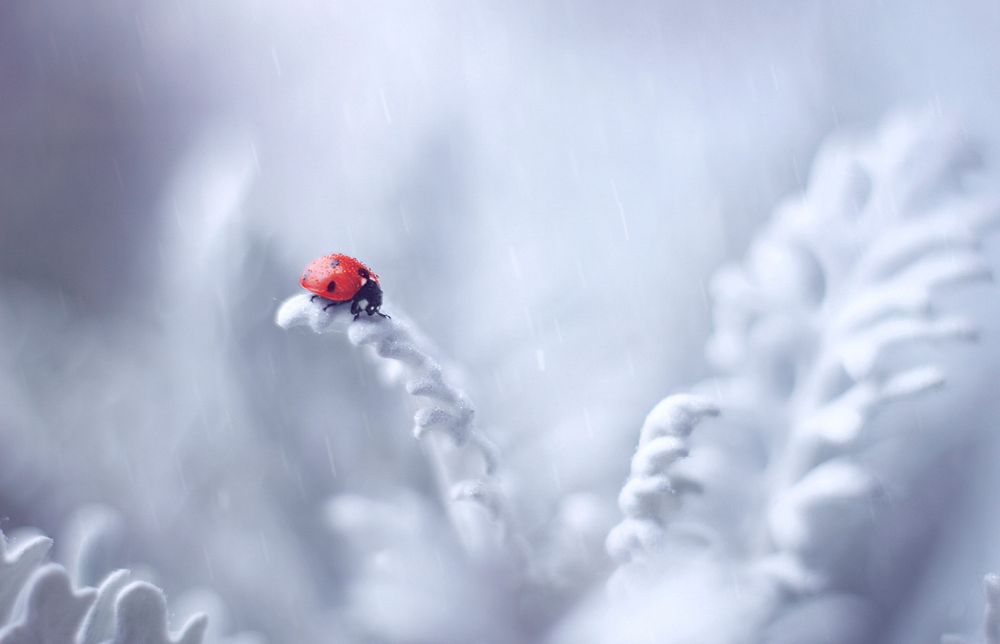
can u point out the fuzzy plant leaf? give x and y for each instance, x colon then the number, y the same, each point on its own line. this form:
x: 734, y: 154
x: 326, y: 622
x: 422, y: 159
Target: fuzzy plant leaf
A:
x: 89, y: 543
x: 845, y: 311
x: 16, y: 566
x: 99, y: 625
x: 54, y: 610
x: 468, y: 468
x: 653, y: 491
x: 841, y: 421
x: 141, y: 618
x: 814, y: 328
x: 51, y: 611
x: 884, y: 267
x: 817, y: 505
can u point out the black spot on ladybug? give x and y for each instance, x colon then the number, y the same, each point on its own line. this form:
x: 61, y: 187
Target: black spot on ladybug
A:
x: 335, y: 263
x: 363, y: 273
x: 332, y: 285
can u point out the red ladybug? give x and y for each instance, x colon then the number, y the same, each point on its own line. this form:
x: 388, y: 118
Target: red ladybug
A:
x: 340, y: 278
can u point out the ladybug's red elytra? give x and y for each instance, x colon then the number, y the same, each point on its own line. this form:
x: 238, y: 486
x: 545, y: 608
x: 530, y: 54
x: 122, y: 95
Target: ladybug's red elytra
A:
x: 340, y: 278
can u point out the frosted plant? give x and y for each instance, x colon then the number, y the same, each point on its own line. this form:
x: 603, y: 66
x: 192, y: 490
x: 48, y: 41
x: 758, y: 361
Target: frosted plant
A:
x: 991, y: 617
x: 100, y: 623
x: 16, y: 567
x: 90, y: 545
x: 142, y: 618
x: 654, y: 489
x: 834, y: 318
x: 464, y: 459
x: 54, y: 610
x: 834, y: 309
x: 44, y: 603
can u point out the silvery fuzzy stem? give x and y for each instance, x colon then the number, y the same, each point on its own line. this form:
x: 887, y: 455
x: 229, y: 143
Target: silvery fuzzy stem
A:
x: 464, y: 460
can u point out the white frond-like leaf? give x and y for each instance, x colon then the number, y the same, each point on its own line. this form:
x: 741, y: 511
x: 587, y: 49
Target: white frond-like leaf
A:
x: 16, y: 567
x: 816, y: 502
x: 862, y: 353
x: 632, y: 537
x: 141, y: 618
x: 89, y: 542
x: 915, y: 242
x: 824, y: 323
x: 653, y: 490
x: 54, y: 610
x: 449, y: 411
x: 910, y: 292
x: 676, y: 415
x: 841, y: 420
x: 100, y: 623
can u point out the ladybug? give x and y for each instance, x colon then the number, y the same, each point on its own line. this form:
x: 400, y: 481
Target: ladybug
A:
x: 340, y: 278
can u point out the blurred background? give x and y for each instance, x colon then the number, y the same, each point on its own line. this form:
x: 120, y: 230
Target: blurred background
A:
x: 544, y: 189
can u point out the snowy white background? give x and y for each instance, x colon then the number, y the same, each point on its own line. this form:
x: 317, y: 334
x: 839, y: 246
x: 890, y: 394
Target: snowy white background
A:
x: 545, y: 190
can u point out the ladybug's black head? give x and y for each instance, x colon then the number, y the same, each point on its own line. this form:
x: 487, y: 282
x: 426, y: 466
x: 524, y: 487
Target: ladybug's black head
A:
x: 370, y: 291
x: 375, y: 298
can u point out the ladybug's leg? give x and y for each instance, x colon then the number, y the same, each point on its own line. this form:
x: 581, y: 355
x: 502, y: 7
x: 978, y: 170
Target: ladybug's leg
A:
x: 355, y: 308
x: 372, y: 310
x: 330, y: 304
x: 313, y: 298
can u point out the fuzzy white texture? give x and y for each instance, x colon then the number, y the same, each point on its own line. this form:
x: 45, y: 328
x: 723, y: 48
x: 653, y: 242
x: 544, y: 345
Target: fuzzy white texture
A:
x: 142, y: 618
x: 16, y: 567
x: 54, y: 610
x: 466, y: 462
x: 100, y: 623
x: 45, y: 603
x: 861, y: 260
x: 835, y: 320
x: 652, y: 491
x: 891, y: 234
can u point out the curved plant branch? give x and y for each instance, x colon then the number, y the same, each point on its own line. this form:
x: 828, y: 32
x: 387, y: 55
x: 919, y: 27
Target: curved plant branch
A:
x: 654, y: 490
x: 465, y: 461
x: 817, y: 328
x: 836, y: 314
